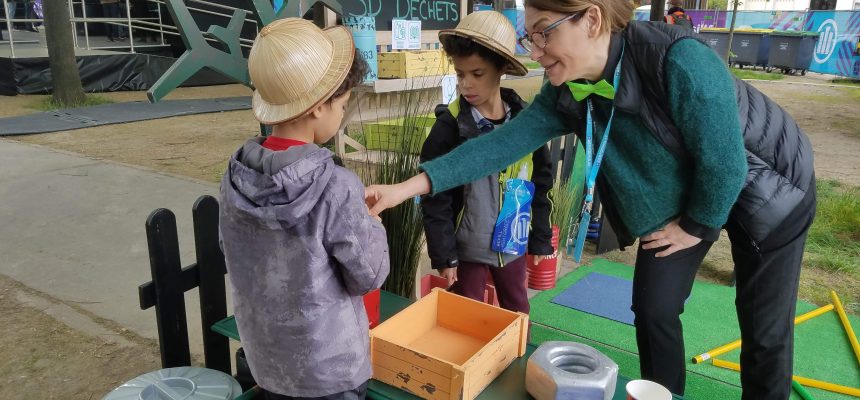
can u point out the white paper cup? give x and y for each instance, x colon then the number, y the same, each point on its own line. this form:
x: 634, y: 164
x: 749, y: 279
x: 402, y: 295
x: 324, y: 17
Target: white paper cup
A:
x: 647, y: 390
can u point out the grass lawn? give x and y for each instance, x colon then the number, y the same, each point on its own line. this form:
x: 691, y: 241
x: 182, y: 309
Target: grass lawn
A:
x: 47, y: 103
x: 750, y: 74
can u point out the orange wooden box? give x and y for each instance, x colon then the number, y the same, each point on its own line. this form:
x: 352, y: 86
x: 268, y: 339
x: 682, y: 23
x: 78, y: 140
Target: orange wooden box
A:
x: 445, y: 346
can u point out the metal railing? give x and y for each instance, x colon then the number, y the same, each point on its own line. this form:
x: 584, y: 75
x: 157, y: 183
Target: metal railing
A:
x: 132, y: 24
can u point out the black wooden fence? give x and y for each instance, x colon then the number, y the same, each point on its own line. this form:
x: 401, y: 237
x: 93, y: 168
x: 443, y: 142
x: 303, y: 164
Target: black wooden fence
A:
x: 166, y: 291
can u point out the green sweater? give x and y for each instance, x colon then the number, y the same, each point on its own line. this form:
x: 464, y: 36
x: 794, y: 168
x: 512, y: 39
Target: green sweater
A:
x: 650, y: 185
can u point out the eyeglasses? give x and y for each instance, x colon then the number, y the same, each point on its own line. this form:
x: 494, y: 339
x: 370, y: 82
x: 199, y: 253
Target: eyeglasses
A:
x: 538, y: 39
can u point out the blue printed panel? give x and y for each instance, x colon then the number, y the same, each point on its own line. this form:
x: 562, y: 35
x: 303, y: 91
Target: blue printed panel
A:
x: 837, y: 49
x: 364, y: 33
x: 779, y: 20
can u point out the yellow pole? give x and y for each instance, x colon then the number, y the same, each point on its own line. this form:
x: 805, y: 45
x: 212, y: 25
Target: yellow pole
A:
x: 737, y: 343
x: 846, y: 324
x: 831, y: 387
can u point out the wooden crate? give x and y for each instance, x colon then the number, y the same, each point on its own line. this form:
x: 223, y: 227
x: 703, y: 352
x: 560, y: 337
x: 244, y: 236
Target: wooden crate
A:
x: 389, y: 135
x: 411, y: 64
x: 446, y: 346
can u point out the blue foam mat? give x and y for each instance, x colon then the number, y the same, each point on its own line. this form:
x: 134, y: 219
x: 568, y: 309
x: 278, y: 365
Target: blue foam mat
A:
x: 602, y: 295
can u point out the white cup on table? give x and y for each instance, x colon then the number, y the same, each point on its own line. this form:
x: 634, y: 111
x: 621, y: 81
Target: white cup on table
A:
x: 641, y: 389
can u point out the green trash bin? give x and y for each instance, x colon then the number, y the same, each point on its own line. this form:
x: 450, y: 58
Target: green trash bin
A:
x: 791, y: 51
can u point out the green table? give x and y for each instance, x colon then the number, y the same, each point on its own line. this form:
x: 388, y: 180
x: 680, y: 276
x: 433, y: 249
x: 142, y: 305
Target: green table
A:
x: 509, y: 385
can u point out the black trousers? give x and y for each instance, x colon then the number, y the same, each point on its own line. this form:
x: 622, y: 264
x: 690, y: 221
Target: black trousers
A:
x: 355, y: 394
x: 767, y: 273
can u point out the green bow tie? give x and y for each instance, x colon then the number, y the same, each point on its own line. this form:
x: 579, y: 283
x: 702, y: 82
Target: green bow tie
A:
x: 581, y: 90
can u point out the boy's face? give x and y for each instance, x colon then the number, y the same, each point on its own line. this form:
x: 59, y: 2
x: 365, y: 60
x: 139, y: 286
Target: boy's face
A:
x: 330, y: 117
x: 477, y: 78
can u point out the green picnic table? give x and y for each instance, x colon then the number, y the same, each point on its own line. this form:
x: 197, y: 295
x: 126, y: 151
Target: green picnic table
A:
x: 510, y: 385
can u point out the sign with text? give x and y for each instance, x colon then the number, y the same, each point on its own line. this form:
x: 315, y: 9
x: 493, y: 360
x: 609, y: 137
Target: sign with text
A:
x: 405, y: 35
x: 433, y: 14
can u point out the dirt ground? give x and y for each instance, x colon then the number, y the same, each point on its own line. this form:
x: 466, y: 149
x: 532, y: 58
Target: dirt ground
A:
x: 43, y: 355
x: 44, y: 358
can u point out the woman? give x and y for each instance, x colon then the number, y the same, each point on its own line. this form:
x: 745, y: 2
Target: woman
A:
x: 688, y: 151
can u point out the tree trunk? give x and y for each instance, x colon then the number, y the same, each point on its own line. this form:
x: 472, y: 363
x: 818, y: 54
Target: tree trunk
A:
x: 658, y: 10
x: 731, y: 31
x: 61, y: 54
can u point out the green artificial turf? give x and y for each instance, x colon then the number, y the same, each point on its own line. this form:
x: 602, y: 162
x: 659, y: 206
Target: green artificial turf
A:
x: 822, y: 350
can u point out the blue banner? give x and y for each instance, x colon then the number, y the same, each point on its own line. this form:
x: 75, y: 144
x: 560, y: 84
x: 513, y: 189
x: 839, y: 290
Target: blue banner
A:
x: 837, y: 49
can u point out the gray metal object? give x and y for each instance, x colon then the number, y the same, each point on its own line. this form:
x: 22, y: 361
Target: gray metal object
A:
x: 568, y: 370
x: 181, y: 383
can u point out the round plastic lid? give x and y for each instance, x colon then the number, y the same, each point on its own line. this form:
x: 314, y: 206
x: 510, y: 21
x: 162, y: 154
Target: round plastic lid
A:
x: 181, y: 383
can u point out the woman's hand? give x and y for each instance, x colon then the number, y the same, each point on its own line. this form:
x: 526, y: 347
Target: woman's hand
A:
x: 450, y: 274
x: 671, y: 235
x: 382, y: 197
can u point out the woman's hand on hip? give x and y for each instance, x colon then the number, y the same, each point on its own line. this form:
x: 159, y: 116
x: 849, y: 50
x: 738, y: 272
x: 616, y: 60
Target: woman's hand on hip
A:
x: 671, y: 235
x: 382, y: 197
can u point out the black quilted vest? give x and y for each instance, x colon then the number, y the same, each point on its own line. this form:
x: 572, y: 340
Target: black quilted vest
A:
x: 779, y: 154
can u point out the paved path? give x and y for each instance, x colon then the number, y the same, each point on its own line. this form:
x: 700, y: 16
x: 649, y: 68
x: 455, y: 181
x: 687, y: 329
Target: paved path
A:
x: 73, y: 228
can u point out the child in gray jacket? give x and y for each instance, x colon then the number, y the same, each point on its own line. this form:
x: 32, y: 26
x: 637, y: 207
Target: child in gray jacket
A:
x: 300, y: 246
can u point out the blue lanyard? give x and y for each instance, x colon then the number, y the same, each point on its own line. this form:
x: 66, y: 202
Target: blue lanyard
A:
x: 592, y: 166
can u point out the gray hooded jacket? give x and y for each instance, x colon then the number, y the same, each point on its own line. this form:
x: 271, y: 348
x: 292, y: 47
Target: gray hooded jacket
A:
x: 301, y: 250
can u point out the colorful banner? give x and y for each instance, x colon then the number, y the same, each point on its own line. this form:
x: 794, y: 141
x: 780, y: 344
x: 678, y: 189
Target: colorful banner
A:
x: 837, y: 49
x: 779, y: 20
x: 520, y: 26
x: 707, y: 18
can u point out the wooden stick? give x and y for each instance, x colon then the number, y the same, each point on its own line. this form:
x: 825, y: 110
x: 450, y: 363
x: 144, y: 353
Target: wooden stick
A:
x: 846, y: 324
x: 737, y: 343
x: 831, y: 387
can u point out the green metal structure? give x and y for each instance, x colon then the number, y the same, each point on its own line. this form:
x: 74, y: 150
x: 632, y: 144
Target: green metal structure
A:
x: 199, y: 53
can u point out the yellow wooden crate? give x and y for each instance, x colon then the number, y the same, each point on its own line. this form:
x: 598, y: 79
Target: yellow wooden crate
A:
x: 410, y: 64
x: 446, y: 346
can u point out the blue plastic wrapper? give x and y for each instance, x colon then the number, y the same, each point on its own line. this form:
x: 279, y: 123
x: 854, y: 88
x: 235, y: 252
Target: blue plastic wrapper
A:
x: 511, y: 233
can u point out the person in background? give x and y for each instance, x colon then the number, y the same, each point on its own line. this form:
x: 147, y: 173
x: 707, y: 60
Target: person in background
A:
x: 28, y: 14
x: 676, y: 15
x: 114, y: 9
x: 144, y: 10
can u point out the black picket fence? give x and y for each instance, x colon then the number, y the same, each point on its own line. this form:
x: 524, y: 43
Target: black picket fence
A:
x: 170, y: 281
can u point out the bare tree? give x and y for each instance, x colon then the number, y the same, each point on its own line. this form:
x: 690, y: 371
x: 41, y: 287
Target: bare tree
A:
x: 68, y: 90
x: 728, y: 57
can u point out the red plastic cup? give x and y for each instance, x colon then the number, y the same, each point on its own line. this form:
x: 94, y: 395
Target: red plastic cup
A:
x: 371, y: 305
x: 543, y: 275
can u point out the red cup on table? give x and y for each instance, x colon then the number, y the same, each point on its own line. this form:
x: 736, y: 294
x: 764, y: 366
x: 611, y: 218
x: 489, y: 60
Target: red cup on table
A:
x: 646, y: 390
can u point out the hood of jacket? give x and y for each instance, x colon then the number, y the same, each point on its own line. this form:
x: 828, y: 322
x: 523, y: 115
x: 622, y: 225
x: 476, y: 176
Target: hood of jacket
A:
x: 279, y: 187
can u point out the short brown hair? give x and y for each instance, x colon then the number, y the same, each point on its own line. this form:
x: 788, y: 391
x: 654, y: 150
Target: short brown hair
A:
x: 355, y: 75
x: 616, y: 13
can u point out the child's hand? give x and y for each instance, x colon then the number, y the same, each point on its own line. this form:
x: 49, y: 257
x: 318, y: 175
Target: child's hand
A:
x: 537, y: 259
x: 450, y: 274
x: 381, y: 197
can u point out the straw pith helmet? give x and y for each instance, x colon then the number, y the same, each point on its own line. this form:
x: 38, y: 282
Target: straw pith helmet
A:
x: 295, y: 66
x: 492, y: 30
